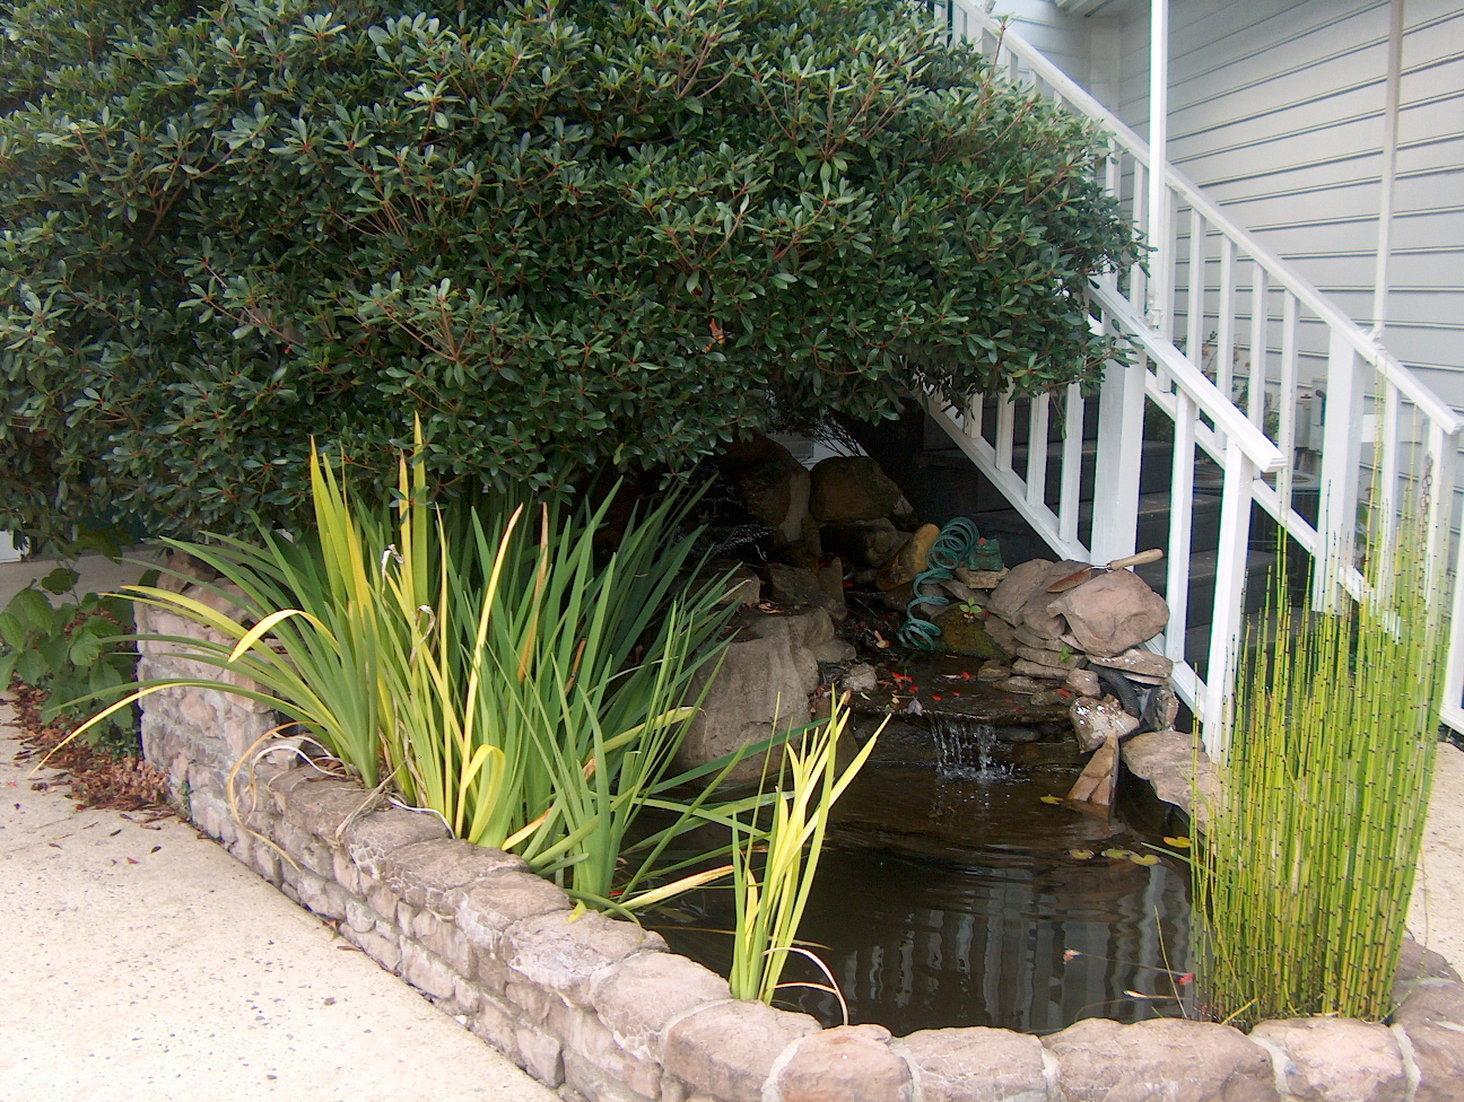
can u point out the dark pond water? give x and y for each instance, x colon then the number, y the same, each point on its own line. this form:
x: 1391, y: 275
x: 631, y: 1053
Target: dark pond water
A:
x: 951, y: 895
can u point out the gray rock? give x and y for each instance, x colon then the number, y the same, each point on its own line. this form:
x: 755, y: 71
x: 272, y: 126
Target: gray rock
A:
x: 322, y: 806
x: 1167, y: 760
x: 1431, y: 1019
x: 1164, y: 1060
x: 1053, y: 659
x: 850, y: 488
x: 773, y: 484
x: 846, y: 1064
x: 1137, y: 660
x: 793, y: 585
x: 1336, y: 1059
x: 860, y: 679
x: 1112, y: 612
x: 979, y: 579
x: 768, y: 670
x: 372, y: 836
x: 1161, y: 709
x: 1083, y: 682
x: 1095, y: 719
x: 727, y: 1050
x: 993, y: 671
x: 743, y: 587
x: 563, y: 953
x: 868, y: 544
x: 1025, y: 686
x: 977, y: 1065
x: 1020, y: 583
x: 835, y: 651
x: 1025, y: 668
x: 640, y: 997
x: 486, y: 909
x: 424, y: 873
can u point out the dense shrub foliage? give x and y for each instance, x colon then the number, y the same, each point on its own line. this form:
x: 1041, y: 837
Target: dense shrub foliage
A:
x: 569, y: 235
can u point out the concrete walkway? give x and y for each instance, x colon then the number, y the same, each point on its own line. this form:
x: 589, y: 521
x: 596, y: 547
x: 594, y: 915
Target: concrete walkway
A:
x: 143, y: 962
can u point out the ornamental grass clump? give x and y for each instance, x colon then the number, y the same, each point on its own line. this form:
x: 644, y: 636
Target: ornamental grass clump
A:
x: 495, y: 665
x: 1303, y: 874
x: 773, y: 871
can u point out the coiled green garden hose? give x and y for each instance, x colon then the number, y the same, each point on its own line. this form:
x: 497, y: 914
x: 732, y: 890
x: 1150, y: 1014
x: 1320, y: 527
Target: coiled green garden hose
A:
x: 959, y: 544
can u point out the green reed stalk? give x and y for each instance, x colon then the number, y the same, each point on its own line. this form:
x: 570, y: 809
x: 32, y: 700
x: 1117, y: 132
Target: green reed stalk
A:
x: 1303, y: 876
x: 769, y: 900
x: 498, y: 666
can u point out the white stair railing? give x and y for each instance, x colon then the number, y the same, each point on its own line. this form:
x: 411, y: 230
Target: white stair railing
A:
x: 1227, y: 354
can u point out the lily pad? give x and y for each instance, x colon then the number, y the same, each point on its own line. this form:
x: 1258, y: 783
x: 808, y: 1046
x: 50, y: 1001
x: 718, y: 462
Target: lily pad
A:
x: 1081, y: 854
x: 1052, y: 799
x: 1143, y: 858
x: 1119, y: 854
x: 1177, y: 843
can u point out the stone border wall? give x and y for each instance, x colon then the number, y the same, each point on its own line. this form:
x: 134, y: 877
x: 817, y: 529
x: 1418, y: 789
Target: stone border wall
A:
x: 601, y: 1010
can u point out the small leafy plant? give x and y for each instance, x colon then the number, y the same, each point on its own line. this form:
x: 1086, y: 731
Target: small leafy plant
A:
x: 71, y: 648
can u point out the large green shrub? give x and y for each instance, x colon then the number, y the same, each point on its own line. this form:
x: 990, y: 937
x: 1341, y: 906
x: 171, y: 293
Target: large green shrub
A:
x: 570, y: 235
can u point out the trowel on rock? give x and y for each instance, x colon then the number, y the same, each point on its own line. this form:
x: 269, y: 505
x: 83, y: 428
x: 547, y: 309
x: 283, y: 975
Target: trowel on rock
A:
x: 1088, y: 573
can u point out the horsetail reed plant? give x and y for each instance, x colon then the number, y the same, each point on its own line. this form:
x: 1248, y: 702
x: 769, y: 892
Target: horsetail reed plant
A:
x: 1303, y: 873
x: 769, y: 900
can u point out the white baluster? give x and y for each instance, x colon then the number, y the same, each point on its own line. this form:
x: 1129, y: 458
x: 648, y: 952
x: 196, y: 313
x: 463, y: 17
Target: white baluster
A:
x: 1194, y: 336
x: 1256, y: 391
x: 1341, y: 455
x: 1181, y: 516
x: 1120, y: 434
x: 1037, y: 451
x: 1072, y: 466
x: 1005, y: 418
x: 1286, y: 432
x: 1225, y: 322
x: 1230, y: 571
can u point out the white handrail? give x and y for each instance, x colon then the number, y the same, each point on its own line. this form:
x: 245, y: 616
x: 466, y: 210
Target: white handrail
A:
x: 1278, y: 270
x: 1229, y: 421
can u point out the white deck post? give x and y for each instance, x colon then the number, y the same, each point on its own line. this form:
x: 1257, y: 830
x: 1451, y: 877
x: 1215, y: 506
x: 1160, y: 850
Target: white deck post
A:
x: 1120, y: 439
x: 1161, y: 260
x: 1341, y: 460
x: 1390, y: 167
x: 1230, y: 570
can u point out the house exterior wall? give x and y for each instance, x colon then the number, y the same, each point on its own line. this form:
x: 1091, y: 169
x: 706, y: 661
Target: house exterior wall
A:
x: 1276, y: 110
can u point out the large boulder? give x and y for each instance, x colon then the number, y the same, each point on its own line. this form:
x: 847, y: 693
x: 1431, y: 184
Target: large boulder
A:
x: 849, y: 488
x: 1167, y: 1059
x: 769, y: 670
x: 962, y: 633
x: 1111, y: 613
x: 1019, y: 584
x: 868, y: 544
x: 773, y: 485
x: 907, y: 563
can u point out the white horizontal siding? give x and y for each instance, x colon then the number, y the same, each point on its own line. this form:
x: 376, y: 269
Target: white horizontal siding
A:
x: 1276, y: 109
x: 1061, y: 37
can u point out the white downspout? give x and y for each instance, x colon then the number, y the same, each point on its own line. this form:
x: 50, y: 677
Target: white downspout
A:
x: 1389, y: 169
x: 1160, y: 266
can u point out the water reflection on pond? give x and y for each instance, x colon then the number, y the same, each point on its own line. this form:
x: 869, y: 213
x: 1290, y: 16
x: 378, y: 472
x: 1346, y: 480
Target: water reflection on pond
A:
x: 956, y: 897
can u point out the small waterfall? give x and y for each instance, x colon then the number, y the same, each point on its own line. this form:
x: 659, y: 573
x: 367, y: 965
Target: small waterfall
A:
x: 965, y: 750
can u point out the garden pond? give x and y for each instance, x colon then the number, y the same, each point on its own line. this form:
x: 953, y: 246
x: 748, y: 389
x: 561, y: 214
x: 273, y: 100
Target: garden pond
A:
x: 953, y: 891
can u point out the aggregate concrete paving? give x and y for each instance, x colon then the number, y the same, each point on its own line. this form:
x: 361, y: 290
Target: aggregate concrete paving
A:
x: 143, y: 962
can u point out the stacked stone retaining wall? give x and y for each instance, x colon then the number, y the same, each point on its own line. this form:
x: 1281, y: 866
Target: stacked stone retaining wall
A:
x: 600, y: 1009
